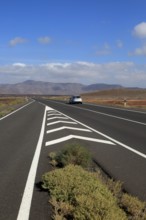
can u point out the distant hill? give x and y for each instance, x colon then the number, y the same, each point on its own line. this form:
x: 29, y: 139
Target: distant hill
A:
x: 49, y: 88
x: 101, y: 86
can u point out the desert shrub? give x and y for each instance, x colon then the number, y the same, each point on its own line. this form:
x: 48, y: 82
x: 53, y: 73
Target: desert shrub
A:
x: 53, y: 160
x: 73, y: 154
x: 9, y: 104
x: 77, y: 194
x: 134, y: 207
x: 114, y: 186
x: 52, y: 155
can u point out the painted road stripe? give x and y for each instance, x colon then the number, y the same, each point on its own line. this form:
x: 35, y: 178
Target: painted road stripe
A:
x: 56, y: 122
x: 65, y: 127
x: 60, y: 117
x: 113, y: 116
x: 49, y: 114
x: 59, y: 140
x: 24, y: 210
x: 121, y: 109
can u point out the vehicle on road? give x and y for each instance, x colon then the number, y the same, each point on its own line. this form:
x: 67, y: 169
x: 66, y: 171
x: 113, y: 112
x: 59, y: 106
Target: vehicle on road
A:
x: 75, y: 99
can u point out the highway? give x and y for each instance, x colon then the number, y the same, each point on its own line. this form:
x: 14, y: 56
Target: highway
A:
x: 126, y: 160
x: 115, y: 137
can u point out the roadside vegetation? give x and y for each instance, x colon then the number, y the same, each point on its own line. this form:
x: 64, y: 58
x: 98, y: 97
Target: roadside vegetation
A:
x: 129, y: 98
x: 78, y: 190
x: 9, y: 104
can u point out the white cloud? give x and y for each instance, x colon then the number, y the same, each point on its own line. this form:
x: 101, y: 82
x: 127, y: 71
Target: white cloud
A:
x: 124, y: 73
x: 44, y: 40
x: 141, y: 51
x: 140, y: 30
x: 19, y: 64
x: 17, y: 40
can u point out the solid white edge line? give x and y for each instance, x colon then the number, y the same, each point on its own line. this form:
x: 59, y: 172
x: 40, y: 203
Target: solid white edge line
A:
x: 122, y: 109
x: 113, y: 116
x: 24, y: 210
x: 17, y: 110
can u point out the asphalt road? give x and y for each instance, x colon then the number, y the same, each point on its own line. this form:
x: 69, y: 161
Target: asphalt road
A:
x: 126, y: 160
x: 115, y: 137
x: 18, y: 139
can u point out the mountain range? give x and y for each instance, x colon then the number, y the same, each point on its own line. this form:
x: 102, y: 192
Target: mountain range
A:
x: 50, y: 88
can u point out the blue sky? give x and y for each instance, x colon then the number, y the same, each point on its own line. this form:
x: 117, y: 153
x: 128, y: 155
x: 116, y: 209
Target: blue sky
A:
x: 82, y: 41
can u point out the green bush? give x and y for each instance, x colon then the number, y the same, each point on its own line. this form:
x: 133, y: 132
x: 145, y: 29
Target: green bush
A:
x: 73, y: 154
x: 77, y: 194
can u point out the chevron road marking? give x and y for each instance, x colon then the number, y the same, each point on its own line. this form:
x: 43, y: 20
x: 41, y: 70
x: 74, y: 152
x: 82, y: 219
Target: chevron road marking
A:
x: 59, y: 140
x: 49, y: 114
x: 65, y: 127
x: 110, y: 138
x: 56, y: 122
x: 57, y: 117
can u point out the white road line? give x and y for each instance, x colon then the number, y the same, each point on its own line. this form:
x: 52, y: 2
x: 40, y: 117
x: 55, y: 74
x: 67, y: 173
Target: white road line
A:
x: 121, y: 109
x: 112, y: 116
x: 49, y: 114
x: 17, y: 110
x: 65, y: 127
x: 59, y: 140
x: 61, y: 117
x: 24, y: 210
x: 101, y: 113
x: 56, y: 122
x: 108, y: 137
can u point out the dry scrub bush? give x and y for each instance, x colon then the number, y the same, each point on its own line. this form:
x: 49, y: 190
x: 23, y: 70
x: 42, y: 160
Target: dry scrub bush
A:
x: 9, y: 104
x: 72, y: 199
x: 115, y: 187
x: 78, y: 194
x: 135, y: 208
x: 71, y: 154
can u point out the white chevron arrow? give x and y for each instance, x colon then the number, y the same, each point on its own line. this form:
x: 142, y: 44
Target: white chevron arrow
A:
x: 59, y: 140
x: 66, y: 127
x: 56, y: 122
x: 57, y: 117
x: 53, y: 114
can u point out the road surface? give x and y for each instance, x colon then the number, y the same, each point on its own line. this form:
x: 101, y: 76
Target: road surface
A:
x: 115, y: 137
